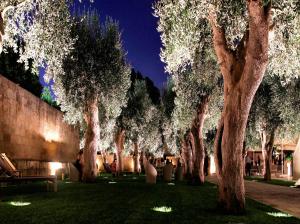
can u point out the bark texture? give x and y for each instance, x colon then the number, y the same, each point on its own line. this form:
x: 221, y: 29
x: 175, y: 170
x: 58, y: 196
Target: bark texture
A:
x: 183, y: 157
x: 242, y: 71
x: 199, y: 150
x: 92, y: 137
x: 267, y: 143
x: 119, y: 141
x: 187, y: 158
x: 136, y: 158
x: 190, y: 155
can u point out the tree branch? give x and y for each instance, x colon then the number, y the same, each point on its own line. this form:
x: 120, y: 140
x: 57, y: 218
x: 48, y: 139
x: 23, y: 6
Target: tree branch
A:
x: 223, y: 53
x: 256, y: 55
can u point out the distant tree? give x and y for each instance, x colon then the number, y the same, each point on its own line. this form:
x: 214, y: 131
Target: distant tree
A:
x: 198, y: 107
x: 11, y: 68
x: 48, y: 97
x: 124, y: 139
x: 94, y: 83
x: 140, y: 121
x: 274, y: 112
x: 152, y: 90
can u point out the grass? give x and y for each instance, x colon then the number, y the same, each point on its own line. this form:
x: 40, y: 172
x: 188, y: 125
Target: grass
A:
x: 285, y: 183
x: 125, y: 200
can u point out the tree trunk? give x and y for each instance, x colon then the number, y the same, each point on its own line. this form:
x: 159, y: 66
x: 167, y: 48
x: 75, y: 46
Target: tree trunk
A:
x: 267, y: 143
x: 199, y: 151
x: 242, y: 71
x: 190, y: 152
x: 184, y: 152
x: 119, y: 141
x: 136, y: 158
x: 92, y: 137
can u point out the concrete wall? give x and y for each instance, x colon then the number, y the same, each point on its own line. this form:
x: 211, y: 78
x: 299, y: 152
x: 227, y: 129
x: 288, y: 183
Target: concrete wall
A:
x: 296, y: 162
x: 30, y: 129
x: 128, y: 164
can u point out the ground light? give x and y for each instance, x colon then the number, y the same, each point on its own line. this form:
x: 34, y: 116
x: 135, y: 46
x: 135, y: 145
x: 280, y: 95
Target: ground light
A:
x: 112, y: 182
x: 171, y: 184
x: 164, y: 209
x: 19, y: 203
x: 279, y: 214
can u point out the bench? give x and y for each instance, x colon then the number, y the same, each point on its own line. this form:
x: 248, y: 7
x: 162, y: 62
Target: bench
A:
x: 51, y: 181
x: 12, y: 175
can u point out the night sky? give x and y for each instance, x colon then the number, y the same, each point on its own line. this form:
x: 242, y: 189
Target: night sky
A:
x: 140, y: 37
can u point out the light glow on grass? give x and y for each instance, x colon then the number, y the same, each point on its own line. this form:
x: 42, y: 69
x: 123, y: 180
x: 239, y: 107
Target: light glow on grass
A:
x: 134, y: 178
x: 171, y: 184
x: 164, y: 209
x: 19, y: 203
x: 112, y: 182
x: 279, y: 214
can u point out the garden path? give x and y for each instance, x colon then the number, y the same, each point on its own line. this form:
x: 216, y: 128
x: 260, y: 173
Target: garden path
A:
x: 283, y: 198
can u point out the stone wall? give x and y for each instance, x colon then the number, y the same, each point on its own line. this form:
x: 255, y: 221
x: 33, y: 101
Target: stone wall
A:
x: 30, y: 129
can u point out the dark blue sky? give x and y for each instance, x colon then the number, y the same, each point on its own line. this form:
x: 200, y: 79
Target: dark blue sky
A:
x: 140, y: 38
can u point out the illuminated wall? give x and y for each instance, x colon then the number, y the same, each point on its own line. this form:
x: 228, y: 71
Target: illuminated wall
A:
x: 30, y: 129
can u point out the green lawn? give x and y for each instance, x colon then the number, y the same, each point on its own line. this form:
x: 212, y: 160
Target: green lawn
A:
x: 128, y: 200
x: 275, y: 182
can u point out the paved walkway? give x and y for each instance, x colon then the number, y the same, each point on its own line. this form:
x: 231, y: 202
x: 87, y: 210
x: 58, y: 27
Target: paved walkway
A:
x: 285, y: 199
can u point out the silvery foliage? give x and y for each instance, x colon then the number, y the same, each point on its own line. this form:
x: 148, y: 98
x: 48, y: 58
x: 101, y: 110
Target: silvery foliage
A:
x: 44, y: 27
x: 95, y: 69
x: 184, y: 29
x: 275, y: 106
x: 189, y: 93
x: 170, y: 138
x: 141, y: 119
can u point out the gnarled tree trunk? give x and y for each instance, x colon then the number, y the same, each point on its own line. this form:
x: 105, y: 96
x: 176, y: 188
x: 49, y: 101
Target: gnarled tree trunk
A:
x: 242, y: 70
x: 119, y: 141
x: 92, y: 137
x: 199, y: 151
x: 267, y: 143
x: 136, y: 158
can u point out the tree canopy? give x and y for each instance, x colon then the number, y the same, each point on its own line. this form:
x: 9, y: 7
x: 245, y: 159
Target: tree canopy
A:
x: 185, y: 30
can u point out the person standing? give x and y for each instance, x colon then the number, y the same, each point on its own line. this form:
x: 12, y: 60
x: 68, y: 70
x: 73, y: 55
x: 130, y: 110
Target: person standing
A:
x: 79, y: 164
x: 258, y: 165
x: 248, y: 165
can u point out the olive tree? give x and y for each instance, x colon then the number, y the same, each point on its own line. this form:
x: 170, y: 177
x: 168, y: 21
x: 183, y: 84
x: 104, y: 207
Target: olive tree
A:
x: 140, y: 120
x: 197, y: 110
x: 94, y: 82
x: 244, y: 35
x: 274, y: 113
